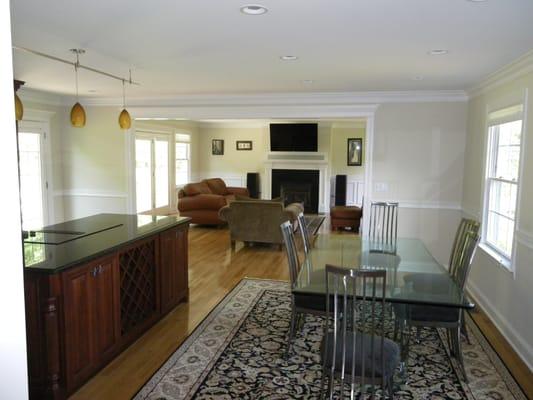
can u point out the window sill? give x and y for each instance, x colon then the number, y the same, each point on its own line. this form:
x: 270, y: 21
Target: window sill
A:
x: 502, y: 262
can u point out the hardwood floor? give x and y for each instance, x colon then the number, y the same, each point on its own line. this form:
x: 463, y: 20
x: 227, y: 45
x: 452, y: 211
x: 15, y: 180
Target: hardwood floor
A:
x: 213, y: 271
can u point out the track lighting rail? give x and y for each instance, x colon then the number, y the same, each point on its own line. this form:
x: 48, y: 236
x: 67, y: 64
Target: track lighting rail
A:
x: 76, y: 65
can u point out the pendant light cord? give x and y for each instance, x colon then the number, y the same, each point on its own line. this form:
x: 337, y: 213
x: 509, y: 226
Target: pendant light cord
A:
x: 76, y: 70
x: 124, y: 93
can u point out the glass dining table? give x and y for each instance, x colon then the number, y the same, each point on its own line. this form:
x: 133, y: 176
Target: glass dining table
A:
x: 413, y: 275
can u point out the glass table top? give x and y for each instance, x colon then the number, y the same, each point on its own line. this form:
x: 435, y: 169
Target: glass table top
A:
x: 413, y: 275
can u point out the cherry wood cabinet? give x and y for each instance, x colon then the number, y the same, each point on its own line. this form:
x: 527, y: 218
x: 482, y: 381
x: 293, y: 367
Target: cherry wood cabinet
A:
x: 174, y: 271
x: 81, y: 317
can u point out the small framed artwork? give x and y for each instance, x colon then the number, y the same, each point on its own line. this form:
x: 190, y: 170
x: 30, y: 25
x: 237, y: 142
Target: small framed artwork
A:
x: 217, y: 147
x: 244, y: 145
x: 355, y: 152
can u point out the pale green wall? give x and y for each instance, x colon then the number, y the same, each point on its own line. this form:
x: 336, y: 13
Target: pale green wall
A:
x: 507, y: 299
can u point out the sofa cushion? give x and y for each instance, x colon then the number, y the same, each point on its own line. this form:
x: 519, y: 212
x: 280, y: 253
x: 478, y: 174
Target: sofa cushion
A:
x: 193, y: 189
x: 217, y: 186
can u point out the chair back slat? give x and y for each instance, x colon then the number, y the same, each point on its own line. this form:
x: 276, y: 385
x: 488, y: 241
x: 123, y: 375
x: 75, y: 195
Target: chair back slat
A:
x: 464, y: 259
x: 383, y: 226
x: 292, y: 252
x: 302, y: 224
x: 465, y: 226
x: 357, y: 315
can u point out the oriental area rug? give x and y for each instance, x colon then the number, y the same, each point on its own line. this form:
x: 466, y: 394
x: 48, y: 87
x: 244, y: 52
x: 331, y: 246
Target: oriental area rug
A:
x: 239, y: 352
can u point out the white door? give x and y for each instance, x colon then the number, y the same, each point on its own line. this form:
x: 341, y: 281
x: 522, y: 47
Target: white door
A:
x: 152, y: 171
x: 33, y: 183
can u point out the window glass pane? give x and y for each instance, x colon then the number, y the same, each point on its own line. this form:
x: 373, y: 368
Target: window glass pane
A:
x: 161, y: 173
x: 182, y: 151
x: 182, y: 172
x: 508, y: 150
x: 500, y: 233
x: 143, y: 175
x: 31, y: 188
x: 502, y: 198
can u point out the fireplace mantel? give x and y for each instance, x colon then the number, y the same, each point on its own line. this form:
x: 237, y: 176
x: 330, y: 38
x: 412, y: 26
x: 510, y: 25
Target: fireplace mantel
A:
x: 299, y: 160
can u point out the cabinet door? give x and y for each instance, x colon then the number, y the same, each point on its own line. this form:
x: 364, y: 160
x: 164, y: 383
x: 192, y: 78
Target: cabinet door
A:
x: 79, y: 311
x: 173, y: 267
x: 106, y: 307
x: 182, y: 264
x: 167, y: 268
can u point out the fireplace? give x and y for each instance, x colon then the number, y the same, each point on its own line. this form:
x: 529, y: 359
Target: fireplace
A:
x: 297, y: 186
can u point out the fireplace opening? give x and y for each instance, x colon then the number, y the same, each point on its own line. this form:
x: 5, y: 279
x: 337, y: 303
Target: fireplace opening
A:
x: 297, y: 186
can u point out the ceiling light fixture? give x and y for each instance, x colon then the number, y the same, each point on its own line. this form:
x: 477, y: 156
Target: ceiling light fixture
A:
x: 254, y: 9
x: 417, y: 78
x: 438, y: 52
x: 77, y: 113
x: 289, y: 58
x: 124, y: 119
x: 308, y: 81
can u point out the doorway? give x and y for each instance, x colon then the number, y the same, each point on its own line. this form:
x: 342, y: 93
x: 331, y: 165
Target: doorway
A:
x: 152, y: 171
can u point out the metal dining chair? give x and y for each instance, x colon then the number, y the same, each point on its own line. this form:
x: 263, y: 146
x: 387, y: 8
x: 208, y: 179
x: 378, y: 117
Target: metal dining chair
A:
x: 383, y: 227
x: 466, y: 225
x: 449, y: 318
x: 354, y: 349
x: 300, y: 305
x: 302, y: 224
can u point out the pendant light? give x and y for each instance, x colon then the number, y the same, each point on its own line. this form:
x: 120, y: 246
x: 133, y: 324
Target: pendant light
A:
x: 77, y: 113
x: 19, y: 109
x: 124, y: 119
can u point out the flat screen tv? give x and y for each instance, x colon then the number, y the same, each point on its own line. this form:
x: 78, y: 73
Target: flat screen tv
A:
x: 293, y: 137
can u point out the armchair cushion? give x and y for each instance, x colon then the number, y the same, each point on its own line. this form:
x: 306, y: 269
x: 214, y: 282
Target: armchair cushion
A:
x: 201, y: 202
x: 194, y: 189
x: 217, y: 186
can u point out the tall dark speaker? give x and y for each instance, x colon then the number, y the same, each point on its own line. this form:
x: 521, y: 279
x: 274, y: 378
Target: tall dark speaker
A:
x: 340, y: 190
x: 252, y: 184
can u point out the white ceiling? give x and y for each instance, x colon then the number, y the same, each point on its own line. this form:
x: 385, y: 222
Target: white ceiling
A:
x: 203, y: 47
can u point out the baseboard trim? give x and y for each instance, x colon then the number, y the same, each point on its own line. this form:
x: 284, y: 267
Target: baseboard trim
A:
x: 515, y: 340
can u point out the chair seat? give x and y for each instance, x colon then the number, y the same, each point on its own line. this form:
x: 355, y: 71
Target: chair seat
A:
x: 391, y: 352
x: 416, y: 313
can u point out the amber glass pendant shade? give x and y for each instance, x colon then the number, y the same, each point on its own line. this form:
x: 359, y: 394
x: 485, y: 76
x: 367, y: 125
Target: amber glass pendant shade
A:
x: 77, y: 116
x: 19, y: 109
x: 124, y: 120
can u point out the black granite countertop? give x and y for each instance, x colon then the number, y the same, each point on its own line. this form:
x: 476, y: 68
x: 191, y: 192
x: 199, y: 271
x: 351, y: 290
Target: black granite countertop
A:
x: 58, y: 247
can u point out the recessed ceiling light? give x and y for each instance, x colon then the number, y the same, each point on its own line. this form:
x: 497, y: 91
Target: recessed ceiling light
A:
x: 417, y: 78
x: 289, y: 58
x: 477, y: 1
x: 254, y: 9
x: 92, y: 90
x: 438, y: 52
x: 308, y: 81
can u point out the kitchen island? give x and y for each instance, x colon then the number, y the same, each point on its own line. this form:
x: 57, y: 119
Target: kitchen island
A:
x: 94, y: 285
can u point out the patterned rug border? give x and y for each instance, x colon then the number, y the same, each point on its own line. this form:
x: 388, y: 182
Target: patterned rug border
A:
x: 158, y: 375
x: 495, y: 359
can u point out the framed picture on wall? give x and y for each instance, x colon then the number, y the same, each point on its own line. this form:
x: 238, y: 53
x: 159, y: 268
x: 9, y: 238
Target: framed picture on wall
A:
x: 217, y: 147
x: 244, y: 145
x: 355, y: 151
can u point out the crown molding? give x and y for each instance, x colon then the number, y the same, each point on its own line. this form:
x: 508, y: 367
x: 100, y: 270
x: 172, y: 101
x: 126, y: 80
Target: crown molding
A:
x: 270, y: 99
x: 37, y: 96
x: 256, y: 99
x: 516, y: 69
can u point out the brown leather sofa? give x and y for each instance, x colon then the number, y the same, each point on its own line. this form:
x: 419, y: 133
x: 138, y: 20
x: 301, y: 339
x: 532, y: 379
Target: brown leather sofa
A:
x: 201, y: 201
x: 258, y: 220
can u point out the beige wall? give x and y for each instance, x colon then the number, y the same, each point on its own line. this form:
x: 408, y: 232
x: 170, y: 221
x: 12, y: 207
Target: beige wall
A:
x: 507, y: 299
x: 340, y: 133
x: 418, y: 161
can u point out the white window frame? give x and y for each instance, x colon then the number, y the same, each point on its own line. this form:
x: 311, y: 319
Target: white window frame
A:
x: 43, y: 129
x: 188, y: 160
x: 508, y: 263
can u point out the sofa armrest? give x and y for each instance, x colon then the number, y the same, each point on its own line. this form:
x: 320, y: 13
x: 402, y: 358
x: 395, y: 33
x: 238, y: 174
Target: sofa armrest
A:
x: 224, y: 213
x: 201, y: 202
x: 241, y: 191
x: 292, y: 211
